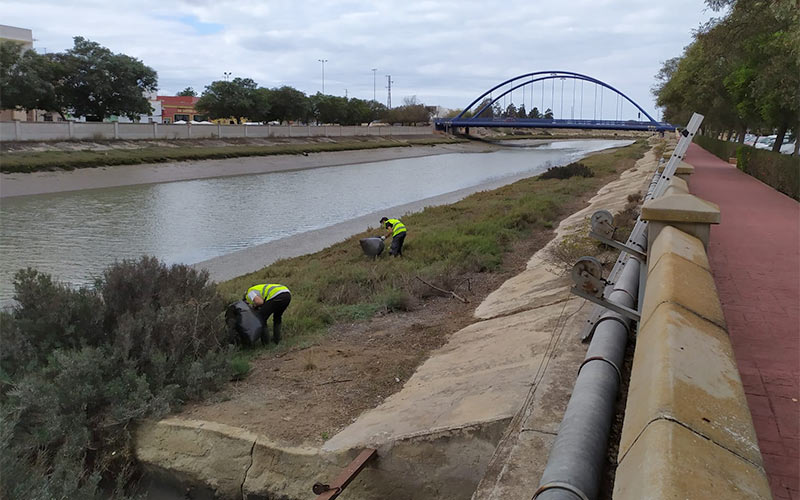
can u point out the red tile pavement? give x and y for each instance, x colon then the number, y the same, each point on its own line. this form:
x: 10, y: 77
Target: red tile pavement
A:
x: 755, y: 258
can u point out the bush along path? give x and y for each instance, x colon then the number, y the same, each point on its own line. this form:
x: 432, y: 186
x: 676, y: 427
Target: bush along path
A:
x: 80, y: 367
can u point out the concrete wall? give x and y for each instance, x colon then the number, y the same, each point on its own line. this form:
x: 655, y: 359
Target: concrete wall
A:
x: 687, y: 431
x: 53, y: 131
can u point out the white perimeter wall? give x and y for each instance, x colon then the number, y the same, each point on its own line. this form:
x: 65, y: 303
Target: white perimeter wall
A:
x: 51, y: 131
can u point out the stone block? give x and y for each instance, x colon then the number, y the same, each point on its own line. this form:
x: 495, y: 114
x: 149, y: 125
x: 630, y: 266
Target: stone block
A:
x: 671, y: 240
x: 679, y: 183
x: 682, y: 168
x: 679, y: 281
x: 670, y: 461
x: 700, y: 231
x: 683, y: 208
x: 684, y: 370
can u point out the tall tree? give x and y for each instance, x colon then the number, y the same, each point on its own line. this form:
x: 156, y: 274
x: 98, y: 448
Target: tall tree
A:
x: 97, y: 83
x: 27, y: 79
x: 188, y: 92
x: 223, y: 99
x: 288, y: 104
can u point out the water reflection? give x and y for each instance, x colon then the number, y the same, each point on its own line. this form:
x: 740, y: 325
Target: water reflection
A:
x: 75, y: 235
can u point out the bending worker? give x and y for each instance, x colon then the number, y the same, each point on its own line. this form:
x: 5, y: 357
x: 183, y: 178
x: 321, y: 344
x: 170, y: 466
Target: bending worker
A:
x: 397, y: 230
x: 268, y: 299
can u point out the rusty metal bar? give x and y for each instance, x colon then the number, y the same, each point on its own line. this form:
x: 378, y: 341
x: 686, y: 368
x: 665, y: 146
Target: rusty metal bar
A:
x: 329, y: 492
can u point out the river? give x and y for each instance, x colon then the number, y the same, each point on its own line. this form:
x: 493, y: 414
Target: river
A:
x: 75, y: 235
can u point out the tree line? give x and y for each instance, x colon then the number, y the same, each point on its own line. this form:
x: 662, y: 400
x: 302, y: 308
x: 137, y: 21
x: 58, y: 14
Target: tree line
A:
x: 242, y: 98
x: 89, y: 80
x: 741, y: 71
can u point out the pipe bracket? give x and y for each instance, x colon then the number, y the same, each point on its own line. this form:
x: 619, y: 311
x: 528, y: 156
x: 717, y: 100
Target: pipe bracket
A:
x: 601, y: 358
x: 560, y: 486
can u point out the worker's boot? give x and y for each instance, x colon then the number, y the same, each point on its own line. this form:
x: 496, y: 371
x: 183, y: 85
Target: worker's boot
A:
x: 276, y: 334
x: 265, y: 335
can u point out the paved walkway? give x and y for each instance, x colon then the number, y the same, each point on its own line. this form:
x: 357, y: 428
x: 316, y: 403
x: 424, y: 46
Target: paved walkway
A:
x: 755, y: 257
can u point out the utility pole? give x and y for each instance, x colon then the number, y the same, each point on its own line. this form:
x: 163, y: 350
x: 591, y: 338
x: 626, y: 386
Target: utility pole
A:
x: 345, y: 93
x: 323, y: 61
x: 373, y: 82
x: 389, y: 83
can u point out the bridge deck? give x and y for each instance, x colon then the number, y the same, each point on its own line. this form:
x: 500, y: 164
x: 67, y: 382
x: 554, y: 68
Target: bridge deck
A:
x: 755, y: 257
x: 443, y: 124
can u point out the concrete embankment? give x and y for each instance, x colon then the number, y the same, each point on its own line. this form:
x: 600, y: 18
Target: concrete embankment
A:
x: 436, y: 436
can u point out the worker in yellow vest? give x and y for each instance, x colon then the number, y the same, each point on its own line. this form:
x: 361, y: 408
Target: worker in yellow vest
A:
x: 267, y: 300
x: 397, y: 230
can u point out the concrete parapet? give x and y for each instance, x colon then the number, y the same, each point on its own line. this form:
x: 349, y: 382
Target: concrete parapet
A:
x: 683, y: 169
x: 687, y: 431
x: 686, y: 212
x: 674, y: 241
x: 670, y: 461
x: 684, y: 371
x: 676, y: 280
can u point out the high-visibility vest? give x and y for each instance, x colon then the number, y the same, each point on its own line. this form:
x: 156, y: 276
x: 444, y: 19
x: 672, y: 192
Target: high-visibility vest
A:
x: 397, y: 226
x: 266, y: 291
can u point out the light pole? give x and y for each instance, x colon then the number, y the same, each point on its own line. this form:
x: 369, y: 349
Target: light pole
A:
x: 323, y: 61
x: 373, y: 82
x: 226, y: 74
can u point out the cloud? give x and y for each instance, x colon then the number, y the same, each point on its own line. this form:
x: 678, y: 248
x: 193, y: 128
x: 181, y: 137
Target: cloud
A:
x: 444, y: 52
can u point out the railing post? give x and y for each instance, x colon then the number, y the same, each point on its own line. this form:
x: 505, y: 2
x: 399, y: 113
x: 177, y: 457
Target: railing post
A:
x: 155, y: 130
x: 70, y: 131
x: 116, y: 130
x: 16, y: 130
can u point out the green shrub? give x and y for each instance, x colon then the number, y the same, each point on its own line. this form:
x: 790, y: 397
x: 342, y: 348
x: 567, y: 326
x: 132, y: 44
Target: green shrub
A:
x: 777, y: 170
x: 80, y: 365
x: 567, y: 171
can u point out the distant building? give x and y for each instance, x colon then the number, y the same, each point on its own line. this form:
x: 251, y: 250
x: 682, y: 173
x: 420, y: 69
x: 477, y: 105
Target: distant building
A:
x: 179, y: 108
x: 155, y: 115
x: 25, y: 37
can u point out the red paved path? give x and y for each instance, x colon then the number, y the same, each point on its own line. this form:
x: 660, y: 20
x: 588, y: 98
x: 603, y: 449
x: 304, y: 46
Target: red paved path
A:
x: 755, y: 258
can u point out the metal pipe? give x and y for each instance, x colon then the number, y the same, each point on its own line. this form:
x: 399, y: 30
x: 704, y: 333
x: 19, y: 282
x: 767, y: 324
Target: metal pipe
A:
x: 577, y: 458
x: 575, y: 465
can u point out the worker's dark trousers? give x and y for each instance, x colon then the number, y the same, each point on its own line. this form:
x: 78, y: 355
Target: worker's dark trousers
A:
x: 276, y: 305
x: 397, y: 244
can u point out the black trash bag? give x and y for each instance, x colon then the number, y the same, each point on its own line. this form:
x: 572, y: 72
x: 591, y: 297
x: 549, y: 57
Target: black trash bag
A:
x: 243, y: 322
x: 371, y: 246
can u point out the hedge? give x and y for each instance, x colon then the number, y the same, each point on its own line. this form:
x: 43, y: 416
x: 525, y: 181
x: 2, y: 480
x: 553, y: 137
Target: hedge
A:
x: 780, y: 171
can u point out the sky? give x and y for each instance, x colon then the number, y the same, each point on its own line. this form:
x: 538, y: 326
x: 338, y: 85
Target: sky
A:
x: 446, y: 53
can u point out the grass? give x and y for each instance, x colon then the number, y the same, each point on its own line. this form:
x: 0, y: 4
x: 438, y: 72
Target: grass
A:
x: 68, y: 160
x: 445, y: 243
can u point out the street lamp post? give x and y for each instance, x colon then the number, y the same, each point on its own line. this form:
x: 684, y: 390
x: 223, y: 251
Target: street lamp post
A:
x: 373, y: 83
x: 226, y: 74
x: 323, y: 61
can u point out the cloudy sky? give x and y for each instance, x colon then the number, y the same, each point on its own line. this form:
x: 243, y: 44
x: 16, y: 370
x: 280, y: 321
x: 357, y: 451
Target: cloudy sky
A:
x: 444, y: 52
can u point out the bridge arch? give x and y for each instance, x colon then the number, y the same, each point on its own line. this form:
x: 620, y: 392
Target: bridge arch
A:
x: 541, y: 76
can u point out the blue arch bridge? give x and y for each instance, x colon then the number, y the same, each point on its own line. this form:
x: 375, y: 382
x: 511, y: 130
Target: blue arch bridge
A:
x: 487, y: 111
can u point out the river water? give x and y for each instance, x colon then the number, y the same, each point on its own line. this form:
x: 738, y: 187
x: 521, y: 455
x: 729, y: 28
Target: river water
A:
x: 75, y: 235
